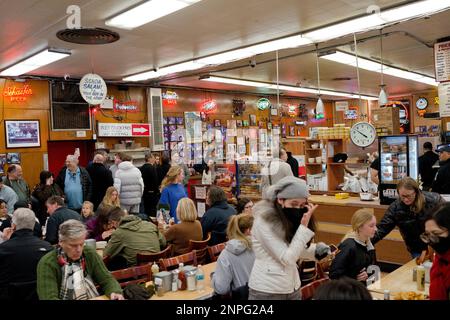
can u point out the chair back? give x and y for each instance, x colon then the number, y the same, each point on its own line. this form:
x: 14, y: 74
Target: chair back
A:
x: 202, y: 255
x: 309, y: 289
x: 197, y: 245
x: 172, y: 263
x: 137, y: 275
x: 214, y: 251
x: 143, y: 258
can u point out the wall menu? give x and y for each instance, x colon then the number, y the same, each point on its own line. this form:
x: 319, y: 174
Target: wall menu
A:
x: 444, y: 99
x: 442, y: 61
x: 123, y: 129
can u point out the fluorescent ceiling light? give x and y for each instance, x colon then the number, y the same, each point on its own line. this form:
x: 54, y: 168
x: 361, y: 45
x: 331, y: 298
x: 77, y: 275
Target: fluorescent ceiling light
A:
x: 180, y: 67
x: 349, y: 59
x: 34, y: 62
x: 147, y: 12
x: 285, y: 87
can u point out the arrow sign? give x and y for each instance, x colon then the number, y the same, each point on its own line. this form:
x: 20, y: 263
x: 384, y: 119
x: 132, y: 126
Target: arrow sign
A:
x: 140, y: 129
x: 124, y: 130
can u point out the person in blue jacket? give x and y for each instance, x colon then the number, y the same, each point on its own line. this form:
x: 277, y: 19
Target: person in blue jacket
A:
x: 172, y: 190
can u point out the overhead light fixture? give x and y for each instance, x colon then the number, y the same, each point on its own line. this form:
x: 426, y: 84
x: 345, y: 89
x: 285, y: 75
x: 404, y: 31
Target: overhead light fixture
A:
x: 364, y: 23
x: 147, y: 12
x: 378, y: 19
x: 382, y: 97
x: 265, y: 85
x: 36, y: 61
x: 156, y: 73
x: 366, y: 64
x: 320, y: 108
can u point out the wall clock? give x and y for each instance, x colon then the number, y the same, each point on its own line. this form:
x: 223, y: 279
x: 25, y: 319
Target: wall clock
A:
x: 421, y: 103
x: 363, y: 134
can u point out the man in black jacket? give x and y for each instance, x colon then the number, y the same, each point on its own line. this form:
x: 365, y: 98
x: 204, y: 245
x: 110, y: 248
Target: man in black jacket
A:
x: 293, y: 163
x: 101, y: 178
x: 19, y: 257
x: 426, y: 162
x: 58, y: 214
x: 441, y: 184
x: 149, y: 171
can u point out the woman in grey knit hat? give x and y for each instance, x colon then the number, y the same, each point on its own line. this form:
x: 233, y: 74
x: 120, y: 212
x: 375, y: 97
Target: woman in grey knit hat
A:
x: 280, y: 238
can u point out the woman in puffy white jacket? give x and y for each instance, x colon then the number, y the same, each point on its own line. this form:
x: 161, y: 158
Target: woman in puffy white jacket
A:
x: 280, y: 238
x: 128, y: 181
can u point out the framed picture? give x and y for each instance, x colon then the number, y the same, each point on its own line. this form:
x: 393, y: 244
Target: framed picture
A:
x: 269, y: 125
x: 2, y: 162
x: 252, y: 120
x: 179, y: 120
x: 239, y: 123
x: 22, y: 133
x: 245, y: 123
x: 217, y: 123
x: 13, y: 158
x: 292, y: 131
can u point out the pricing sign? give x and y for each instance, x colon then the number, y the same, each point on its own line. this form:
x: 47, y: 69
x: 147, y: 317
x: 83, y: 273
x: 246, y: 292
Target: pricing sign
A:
x: 123, y: 129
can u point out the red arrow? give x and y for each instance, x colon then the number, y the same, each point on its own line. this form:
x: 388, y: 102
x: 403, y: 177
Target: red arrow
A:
x: 140, y: 130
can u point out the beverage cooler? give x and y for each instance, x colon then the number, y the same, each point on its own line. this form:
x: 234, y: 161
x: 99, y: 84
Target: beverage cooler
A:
x: 398, y: 159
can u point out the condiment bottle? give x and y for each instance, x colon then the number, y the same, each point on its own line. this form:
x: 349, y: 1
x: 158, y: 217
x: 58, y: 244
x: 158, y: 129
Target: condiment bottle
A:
x: 387, y: 295
x: 181, y: 278
x: 420, y: 278
x: 175, y: 280
x: 155, y: 268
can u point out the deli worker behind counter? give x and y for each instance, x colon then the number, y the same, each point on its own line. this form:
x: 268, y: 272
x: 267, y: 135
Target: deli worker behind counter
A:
x: 441, y: 183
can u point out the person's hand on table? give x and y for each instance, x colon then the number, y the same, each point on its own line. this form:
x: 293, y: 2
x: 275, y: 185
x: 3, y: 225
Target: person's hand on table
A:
x: 362, y: 276
x: 116, y: 296
x: 107, y: 233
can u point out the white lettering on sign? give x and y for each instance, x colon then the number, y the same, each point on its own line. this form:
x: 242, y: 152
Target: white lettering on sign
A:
x: 93, y: 88
x: 124, y: 129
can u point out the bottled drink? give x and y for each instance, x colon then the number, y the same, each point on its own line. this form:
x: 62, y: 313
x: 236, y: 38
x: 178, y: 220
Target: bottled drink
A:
x: 387, y: 295
x: 175, y: 280
x: 200, y: 276
x: 155, y: 268
x: 181, y: 278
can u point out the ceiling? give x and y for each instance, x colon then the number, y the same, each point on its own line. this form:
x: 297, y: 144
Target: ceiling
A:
x: 213, y: 26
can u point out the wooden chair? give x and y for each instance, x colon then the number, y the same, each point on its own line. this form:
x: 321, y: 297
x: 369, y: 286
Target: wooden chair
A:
x: 200, y: 248
x: 215, y: 251
x: 139, y: 274
x: 309, y: 289
x: 173, y: 262
x: 143, y: 258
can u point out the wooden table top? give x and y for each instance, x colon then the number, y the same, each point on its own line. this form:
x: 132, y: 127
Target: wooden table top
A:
x: 350, y: 201
x: 206, y: 293
x: 400, y: 280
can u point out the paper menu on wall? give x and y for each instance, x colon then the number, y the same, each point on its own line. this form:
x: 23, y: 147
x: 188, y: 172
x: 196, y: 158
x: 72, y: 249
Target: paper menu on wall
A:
x: 201, y: 208
x: 240, y: 140
x: 200, y: 193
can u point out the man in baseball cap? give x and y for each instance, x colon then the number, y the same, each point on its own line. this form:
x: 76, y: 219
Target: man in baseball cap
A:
x: 441, y: 183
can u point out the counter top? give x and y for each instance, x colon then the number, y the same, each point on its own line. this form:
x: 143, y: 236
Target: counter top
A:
x: 349, y: 202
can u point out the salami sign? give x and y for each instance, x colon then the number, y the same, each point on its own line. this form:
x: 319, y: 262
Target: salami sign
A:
x: 124, y: 130
x: 93, y: 88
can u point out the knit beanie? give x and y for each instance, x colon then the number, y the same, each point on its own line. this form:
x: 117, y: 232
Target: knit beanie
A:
x: 287, y: 188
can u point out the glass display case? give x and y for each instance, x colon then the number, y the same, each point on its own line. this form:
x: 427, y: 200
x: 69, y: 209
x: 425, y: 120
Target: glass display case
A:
x: 398, y: 159
x: 249, y: 180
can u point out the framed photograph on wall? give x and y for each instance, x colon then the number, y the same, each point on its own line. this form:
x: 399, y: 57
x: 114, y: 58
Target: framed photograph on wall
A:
x: 22, y: 133
x: 13, y: 158
x: 252, y: 120
x: 2, y: 162
x: 217, y: 123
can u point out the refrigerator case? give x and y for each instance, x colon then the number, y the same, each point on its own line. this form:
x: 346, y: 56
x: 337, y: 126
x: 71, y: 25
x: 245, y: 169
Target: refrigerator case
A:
x: 398, y: 159
x: 249, y: 180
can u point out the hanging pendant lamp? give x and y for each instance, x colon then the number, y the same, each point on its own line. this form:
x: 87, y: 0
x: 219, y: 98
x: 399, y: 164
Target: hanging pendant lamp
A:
x: 320, y: 113
x: 382, y: 97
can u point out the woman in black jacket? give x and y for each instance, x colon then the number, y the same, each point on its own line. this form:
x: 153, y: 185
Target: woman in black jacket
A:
x: 356, y: 251
x: 42, y: 191
x: 409, y: 213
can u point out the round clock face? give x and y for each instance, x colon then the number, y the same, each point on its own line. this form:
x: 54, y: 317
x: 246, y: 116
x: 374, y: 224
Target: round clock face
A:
x: 421, y: 103
x: 363, y: 134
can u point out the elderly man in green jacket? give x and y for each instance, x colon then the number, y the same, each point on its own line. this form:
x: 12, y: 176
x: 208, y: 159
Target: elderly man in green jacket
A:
x: 73, y: 270
x: 132, y: 235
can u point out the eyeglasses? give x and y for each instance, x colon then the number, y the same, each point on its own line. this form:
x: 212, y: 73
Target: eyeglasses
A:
x: 430, y: 237
x: 410, y: 196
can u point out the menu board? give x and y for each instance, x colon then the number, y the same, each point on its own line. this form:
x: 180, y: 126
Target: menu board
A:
x: 444, y: 99
x: 442, y: 61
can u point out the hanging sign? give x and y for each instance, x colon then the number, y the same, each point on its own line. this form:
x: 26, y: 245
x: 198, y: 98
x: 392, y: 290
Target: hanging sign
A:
x: 444, y: 99
x: 341, y: 105
x: 170, y: 98
x: 124, y: 130
x: 126, y: 106
x: 209, y: 106
x: 93, y: 88
x: 263, y: 104
x: 292, y: 110
x: 442, y: 61
x: 18, y: 94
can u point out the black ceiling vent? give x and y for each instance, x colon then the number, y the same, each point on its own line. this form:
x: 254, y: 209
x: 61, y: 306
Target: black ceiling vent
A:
x: 88, y: 36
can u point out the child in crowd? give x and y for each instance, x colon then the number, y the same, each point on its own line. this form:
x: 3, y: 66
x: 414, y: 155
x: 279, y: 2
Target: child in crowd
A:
x: 87, y: 211
x: 5, y: 219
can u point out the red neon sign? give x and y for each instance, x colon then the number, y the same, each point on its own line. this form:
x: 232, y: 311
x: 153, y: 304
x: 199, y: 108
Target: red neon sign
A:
x: 209, y: 106
x: 18, y: 94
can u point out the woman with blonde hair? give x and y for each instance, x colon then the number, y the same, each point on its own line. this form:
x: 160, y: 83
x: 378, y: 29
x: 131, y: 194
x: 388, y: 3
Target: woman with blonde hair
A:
x: 189, y: 227
x: 356, y: 251
x: 235, y: 262
x: 409, y: 213
x: 172, y: 190
x: 111, y: 198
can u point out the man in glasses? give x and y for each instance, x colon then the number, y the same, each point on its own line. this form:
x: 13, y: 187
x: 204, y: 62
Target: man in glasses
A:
x: 441, y: 183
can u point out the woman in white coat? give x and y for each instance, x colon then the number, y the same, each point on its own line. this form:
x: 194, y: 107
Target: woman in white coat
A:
x: 280, y: 238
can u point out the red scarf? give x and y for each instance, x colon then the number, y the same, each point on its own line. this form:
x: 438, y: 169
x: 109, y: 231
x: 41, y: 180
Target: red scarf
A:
x: 440, y: 277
